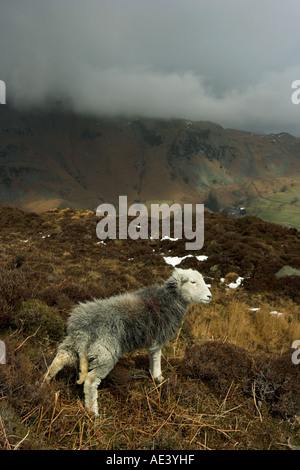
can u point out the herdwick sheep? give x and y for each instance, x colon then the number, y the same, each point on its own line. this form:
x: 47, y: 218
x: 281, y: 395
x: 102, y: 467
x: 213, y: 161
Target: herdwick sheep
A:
x: 100, y: 331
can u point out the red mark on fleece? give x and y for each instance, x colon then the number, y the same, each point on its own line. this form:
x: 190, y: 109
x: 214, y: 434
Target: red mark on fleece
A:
x: 154, y: 304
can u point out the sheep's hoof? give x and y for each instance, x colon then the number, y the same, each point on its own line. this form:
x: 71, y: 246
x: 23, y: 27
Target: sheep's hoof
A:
x: 159, y: 379
x: 93, y: 413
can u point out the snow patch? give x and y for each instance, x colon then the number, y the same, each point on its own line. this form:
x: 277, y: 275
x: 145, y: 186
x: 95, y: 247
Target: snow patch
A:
x: 201, y: 257
x: 169, y: 238
x: 175, y: 260
x: 274, y: 312
x: 237, y: 283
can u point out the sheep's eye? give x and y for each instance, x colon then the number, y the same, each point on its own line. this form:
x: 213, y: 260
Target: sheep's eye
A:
x: 193, y: 282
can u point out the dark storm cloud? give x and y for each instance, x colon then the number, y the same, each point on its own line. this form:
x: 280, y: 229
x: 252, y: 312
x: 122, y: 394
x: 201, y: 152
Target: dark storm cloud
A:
x: 227, y: 61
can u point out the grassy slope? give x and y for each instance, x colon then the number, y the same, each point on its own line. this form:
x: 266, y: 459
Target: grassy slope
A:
x: 282, y: 207
x: 230, y: 382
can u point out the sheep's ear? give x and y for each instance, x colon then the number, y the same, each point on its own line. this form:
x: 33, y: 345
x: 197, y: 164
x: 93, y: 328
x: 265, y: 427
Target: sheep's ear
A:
x: 184, y: 278
x: 176, y: 275
x: 179, y: 275
x: 175, y: 278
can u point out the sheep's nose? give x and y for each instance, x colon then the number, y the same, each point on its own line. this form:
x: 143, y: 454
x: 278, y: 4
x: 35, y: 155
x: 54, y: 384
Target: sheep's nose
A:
x: 209, y: 296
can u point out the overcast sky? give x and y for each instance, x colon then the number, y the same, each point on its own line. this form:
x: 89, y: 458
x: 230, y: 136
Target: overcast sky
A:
x: 227, y: 61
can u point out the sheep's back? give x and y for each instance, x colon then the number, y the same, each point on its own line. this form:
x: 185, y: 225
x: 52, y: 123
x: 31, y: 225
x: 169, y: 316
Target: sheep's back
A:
x: 137, y: 320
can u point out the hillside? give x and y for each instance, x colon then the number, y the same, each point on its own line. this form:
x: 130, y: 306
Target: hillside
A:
x: 230, y: 381
x: 58, y: 159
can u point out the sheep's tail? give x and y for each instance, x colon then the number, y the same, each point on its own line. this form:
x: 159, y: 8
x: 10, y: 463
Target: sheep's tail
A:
x: 84, y: 366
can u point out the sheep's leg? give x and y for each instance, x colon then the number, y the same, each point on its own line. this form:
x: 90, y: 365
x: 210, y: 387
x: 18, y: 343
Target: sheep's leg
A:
x: 155, y: 364
x: 90, y: 388
x: 103, y: 364
x: 62, y: 359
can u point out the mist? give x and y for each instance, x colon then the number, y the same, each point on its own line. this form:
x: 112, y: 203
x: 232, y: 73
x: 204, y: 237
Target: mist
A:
x: 226, y: 61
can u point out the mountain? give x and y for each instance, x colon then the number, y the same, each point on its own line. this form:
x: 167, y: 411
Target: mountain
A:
x: 55, y: 158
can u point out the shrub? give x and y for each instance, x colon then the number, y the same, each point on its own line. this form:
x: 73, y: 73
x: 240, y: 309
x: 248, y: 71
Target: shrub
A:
x: 36, y: 317
x: 273, y: 379
x: 277, y: 383
x: 218, y: 364
x: 13, y: 287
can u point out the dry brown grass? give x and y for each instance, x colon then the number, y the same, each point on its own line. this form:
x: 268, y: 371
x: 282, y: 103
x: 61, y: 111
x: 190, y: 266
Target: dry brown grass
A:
x: 229, y: 318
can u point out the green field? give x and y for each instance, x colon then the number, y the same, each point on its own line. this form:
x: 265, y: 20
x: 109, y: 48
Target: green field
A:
x: 281, y: 207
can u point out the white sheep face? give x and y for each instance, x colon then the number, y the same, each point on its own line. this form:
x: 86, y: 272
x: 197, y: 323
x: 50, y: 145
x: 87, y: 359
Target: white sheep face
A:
x: 192, y: 286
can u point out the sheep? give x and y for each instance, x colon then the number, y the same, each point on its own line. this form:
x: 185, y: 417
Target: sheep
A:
x: 99, y: 332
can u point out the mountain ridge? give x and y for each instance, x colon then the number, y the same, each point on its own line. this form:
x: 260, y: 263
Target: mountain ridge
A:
x: 55, y: 158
